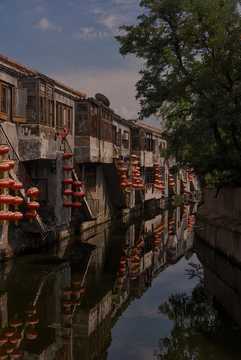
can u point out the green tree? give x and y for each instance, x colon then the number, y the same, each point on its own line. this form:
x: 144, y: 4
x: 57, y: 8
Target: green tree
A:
x: 191, y: 80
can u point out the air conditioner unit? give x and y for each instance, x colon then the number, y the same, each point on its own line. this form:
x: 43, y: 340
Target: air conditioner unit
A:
x: 125, y: 136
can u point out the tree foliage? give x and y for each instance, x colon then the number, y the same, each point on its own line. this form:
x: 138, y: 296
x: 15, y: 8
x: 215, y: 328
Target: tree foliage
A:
x: 191, y: 79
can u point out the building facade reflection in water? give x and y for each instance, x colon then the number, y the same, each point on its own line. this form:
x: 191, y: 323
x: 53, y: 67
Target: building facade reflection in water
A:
x: 111, y: 266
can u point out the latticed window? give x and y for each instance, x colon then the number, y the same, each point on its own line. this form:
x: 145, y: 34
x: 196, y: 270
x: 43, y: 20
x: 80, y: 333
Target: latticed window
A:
x: 4, y: 99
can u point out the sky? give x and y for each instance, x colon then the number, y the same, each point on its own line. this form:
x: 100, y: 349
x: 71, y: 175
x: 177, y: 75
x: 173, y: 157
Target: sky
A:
x: 73, y: 42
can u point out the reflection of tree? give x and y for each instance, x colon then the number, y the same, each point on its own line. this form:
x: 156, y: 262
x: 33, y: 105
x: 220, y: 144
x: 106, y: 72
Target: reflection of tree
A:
x: 200, y: 330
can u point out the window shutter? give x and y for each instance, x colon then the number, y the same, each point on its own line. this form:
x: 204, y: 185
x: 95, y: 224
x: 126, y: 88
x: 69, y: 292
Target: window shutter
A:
x: 20, y: 105
x: 3, y: 102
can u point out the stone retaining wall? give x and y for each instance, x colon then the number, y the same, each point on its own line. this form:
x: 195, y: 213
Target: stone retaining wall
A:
x: 218, y: 222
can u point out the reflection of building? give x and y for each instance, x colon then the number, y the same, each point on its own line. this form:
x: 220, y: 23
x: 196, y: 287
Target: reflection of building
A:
x: 221, y: 279
x: 34, y: 109
x: 41, y: 278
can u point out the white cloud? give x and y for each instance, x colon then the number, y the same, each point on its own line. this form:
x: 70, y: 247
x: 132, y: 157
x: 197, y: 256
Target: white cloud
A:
x: 117, y: 84
x: 45, y: 24
x: 87, y: 33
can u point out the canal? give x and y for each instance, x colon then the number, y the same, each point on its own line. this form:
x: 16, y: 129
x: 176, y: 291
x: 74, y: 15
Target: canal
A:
x: 139, y: 288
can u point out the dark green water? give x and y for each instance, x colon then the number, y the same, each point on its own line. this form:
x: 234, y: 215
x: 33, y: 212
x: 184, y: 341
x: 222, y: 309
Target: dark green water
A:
x: 164, y: 313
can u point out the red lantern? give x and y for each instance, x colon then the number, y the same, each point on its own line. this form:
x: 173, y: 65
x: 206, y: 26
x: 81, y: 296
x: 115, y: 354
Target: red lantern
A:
x: 120, y: 162
x: 77, y: 205
x: 33, y: 205
x: 17, y: 186
x: 30, y: 215
x: 3, y: 216
x: 67, y: 155
x: 77, y: 184
x: 8, y: 200
x: 135, y: 163
x: 10, y: 182
x: 4, y: 183
x: 32, y: 192
x: 79, y: 195
x: 17, y: 216
x: 68, y: 192
x: 156, y: 164
x: 4, y: 166
x: 123, y: 184
x: 123, y: 169
x: 11, y: 163
x: 68, y: 181
x: 68, y: 168
x: 17, y: 200
x: 68, y: 204
x: 4, y: 150
x: 133, y: 156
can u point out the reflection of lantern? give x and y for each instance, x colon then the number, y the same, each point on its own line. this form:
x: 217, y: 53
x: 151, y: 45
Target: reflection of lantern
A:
x: 67, y: 290
x: 76, y: 302
x: 16, y: 353
x: 66, y: 303
x: 8, y: 348
x: 31, y: 333
x: 66, y: 313
x: 16, y: 337
x: 32, y: 319
x: 30, y: 309
x: 66, y: 326
x: 15, y: 322
x: 30, y: 215
x: 66, y: 339
x: 3, y: 338
x: 8, y: 331
x: 3, y: 354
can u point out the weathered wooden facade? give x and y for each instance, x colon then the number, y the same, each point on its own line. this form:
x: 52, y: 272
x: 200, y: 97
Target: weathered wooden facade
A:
x: 34, y: 110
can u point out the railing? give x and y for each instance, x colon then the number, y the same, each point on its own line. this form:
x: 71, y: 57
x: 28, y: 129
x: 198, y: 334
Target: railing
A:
x: 22, y: 175
x: 21, y: 172
x: 67, y: 148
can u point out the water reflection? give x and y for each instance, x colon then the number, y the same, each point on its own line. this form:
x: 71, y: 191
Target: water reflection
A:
x: 82, y: 288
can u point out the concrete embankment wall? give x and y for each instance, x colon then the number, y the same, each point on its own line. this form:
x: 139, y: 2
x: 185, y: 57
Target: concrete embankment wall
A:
x: 218, y: 222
